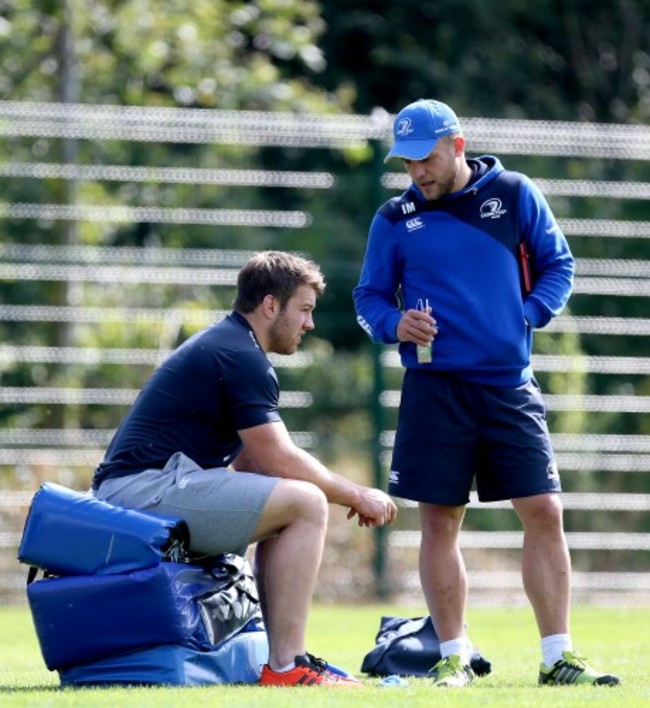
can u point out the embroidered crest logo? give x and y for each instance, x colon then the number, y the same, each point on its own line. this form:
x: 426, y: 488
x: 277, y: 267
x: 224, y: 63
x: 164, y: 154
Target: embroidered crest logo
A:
x: 404, y: 127
x: 492, y: 209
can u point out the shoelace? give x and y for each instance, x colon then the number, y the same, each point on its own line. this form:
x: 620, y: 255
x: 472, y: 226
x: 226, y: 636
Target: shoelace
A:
x: 452, y: 665
x: 318, y: 665
x: 577, y: 660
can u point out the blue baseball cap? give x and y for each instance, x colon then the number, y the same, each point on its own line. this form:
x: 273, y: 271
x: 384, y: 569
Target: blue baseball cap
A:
x: 418, y: 127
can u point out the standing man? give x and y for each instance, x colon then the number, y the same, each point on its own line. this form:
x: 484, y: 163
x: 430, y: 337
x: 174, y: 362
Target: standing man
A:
x: 204, y: 442
x: 460, y: 269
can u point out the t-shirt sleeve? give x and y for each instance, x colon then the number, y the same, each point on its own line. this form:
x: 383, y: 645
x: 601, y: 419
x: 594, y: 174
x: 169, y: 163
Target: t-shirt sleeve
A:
x: 253, y: 390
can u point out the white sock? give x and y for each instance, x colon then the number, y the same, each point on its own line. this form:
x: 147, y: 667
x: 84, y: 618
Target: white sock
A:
x: 460, y: 645
x: 288, y: 667
x: 553, y: 646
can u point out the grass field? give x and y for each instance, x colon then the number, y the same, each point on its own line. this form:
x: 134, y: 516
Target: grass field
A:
x: 616, y: 639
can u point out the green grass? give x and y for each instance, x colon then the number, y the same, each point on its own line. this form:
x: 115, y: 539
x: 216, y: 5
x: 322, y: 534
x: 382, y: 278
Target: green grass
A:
x: 615, y: 639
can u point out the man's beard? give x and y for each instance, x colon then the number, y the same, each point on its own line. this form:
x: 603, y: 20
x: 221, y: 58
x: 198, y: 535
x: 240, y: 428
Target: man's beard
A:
x: 281, y: 341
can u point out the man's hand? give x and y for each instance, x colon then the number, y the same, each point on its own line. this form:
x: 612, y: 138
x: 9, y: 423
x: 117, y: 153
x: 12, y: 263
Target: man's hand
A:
x: 373, y: 508
x: 417, y: 326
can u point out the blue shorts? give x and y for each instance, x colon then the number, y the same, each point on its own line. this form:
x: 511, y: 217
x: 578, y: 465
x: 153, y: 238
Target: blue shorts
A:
x: 451, y: 432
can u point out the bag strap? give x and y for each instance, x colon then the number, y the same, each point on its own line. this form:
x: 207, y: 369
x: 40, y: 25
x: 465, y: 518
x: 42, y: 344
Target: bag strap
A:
x: 33, y: 572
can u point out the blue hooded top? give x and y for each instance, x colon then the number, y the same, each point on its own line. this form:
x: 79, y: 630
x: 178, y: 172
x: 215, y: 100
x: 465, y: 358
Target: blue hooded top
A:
x: 461, y: 253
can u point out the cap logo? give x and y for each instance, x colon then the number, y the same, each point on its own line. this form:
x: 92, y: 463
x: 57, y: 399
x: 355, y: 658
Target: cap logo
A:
x: 446, y: 125
x: 404, y: 127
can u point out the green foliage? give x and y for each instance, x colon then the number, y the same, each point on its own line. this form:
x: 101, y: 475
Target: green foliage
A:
x: 571, y: 382
x: 206, y: 53
x: 583, y: 60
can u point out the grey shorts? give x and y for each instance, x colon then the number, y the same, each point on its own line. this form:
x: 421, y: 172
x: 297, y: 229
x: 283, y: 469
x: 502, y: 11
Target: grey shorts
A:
x: 220, y: 507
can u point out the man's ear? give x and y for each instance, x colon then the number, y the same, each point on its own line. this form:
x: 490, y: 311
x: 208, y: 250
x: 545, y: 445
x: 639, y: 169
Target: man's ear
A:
x: 459, y: 145
x: 270, y: 306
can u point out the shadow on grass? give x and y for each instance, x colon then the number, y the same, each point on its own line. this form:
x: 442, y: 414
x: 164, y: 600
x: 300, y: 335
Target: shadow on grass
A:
x: 30, y: 689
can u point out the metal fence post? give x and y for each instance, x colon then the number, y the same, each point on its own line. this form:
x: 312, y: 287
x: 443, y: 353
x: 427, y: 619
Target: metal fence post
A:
x: 382, y: 584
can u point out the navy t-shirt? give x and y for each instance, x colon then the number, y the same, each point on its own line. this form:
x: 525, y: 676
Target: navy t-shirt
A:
x: 218, y: 382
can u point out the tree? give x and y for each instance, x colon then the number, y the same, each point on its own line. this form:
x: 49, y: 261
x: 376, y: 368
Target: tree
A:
x: 548, y: 59
x: 210, y: 53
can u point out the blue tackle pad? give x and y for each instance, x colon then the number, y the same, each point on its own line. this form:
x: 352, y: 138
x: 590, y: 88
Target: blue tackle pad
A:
x: 238, y: 660
x: 82, y: 619
x: 71, y: 533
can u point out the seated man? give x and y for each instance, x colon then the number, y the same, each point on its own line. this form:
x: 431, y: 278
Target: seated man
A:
x: 213, y: 404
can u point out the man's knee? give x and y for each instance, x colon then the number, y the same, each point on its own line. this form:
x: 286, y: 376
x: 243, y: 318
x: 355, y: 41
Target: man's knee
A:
x: 441, y: 521
x: 543, y: 510
x: 307, y: 500
x: 292, y: 501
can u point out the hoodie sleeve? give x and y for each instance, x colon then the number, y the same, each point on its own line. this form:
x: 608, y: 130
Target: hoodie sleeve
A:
x: 376, y: 295
x: 552, y: 261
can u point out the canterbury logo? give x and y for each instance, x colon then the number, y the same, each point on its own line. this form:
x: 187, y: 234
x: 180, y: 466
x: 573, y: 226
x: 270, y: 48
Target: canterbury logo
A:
x: 492, y: 209
x: 414, y: 224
